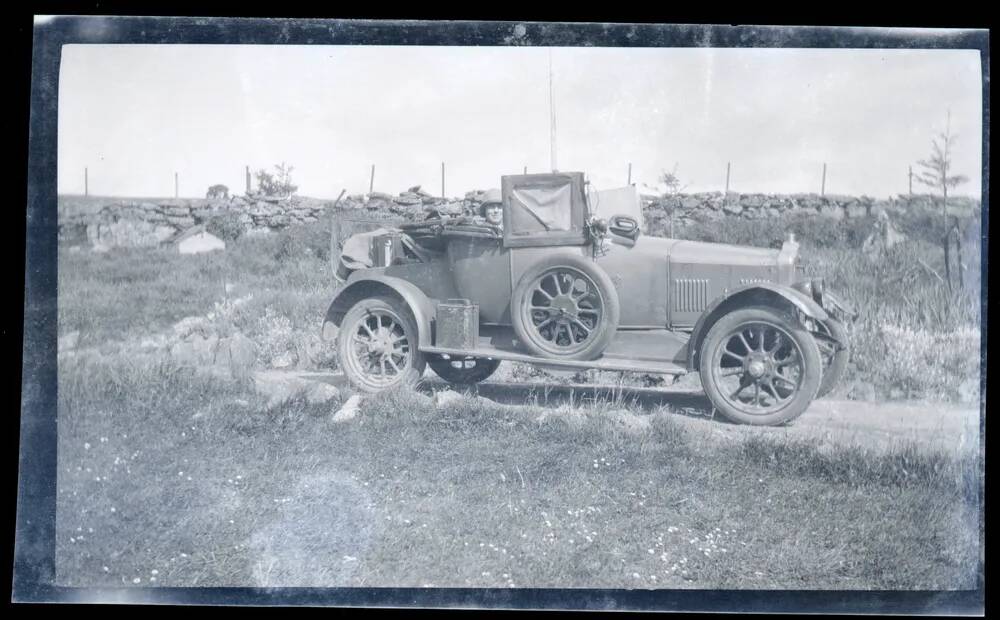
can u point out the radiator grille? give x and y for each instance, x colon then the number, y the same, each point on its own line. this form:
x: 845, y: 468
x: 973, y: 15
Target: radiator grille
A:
x: 745, y: 281
x: 690, y: 295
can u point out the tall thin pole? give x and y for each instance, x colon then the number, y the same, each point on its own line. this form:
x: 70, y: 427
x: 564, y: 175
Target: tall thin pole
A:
x: 629, y: 174
x: 911, y: 181
x: 371, y: 183
x: 176, y: 187
x: 86, y: 183
x: 728, y: 167
x: 442, y: 179
x: 552, y: 117
x: 822, y: 187
x: 248, y: 180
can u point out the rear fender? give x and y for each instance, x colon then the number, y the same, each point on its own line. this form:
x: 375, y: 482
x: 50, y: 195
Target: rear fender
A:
x: 758, y: 294
x: 384, y: 286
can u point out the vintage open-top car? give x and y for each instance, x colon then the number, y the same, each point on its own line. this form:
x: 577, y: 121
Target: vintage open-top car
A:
x: 558, y: 286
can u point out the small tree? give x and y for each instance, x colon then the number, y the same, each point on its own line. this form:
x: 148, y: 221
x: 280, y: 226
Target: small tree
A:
x: 672, y: 182
x: 937, y: 173
x: 673, y: 186
x: 279, y: 184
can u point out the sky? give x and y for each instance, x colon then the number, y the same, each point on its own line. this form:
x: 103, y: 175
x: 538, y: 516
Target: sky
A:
x: 133, y: 115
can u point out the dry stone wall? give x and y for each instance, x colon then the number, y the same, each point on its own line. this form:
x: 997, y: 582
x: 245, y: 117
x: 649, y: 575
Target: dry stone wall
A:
x: 143, y: 223
x: 690, y: 208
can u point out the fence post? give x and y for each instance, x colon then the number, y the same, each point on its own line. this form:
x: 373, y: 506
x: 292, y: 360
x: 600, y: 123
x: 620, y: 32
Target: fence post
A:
x: 176, y: 187
x: 728, y: 165
x: 86, y: 182
x: 525, y: 170
x: 371, y: 183
x: 911, y: 181
x: 442, y: 179
x: 629, y: 174
x: 822, y: 187
x: 248, y: 180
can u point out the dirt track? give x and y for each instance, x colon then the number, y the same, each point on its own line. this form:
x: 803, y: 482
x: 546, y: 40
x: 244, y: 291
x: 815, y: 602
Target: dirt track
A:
x: 940, y: 426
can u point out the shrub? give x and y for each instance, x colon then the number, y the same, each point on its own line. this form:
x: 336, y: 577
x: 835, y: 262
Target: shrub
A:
x: 228, y: 226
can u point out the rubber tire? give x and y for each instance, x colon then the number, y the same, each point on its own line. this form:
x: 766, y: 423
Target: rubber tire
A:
x: 835, y: 371
x: 609, y: 297
x: 812, y: 374
x: 482, y: 371
x: 418, y: 361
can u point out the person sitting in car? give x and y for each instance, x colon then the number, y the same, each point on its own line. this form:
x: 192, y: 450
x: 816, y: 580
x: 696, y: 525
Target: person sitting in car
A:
x: 491, y: 209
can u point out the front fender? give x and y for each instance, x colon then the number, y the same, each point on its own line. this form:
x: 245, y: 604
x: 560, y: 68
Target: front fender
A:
x: 362, y: 286
x: 760, y: 293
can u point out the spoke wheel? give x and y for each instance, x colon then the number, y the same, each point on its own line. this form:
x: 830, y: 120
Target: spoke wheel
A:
x: 566, y: 308
x: 759, y: 367
x: 378, y: 345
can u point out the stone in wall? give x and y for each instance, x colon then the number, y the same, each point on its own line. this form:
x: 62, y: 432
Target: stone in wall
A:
x: 733, y: 208
x: 855, y: 210
x: 128, y: 233
x: 178, y: 211
x: 182, y: 222
x: 832, y: 211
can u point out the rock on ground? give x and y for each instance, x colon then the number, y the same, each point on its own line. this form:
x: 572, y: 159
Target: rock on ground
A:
x: 349, y: 410
x: 445, y: 398
x: 280, y: 387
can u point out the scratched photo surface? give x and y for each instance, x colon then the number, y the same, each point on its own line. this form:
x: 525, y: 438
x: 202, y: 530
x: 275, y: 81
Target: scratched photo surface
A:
x: 229, y: 417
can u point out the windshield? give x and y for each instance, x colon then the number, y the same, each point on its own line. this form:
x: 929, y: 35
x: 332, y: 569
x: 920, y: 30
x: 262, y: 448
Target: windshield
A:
x: 542, y: 206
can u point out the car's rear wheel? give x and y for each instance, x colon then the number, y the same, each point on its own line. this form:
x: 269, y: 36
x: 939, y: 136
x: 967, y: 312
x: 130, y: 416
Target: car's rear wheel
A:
x: 835, y: 356
x: 464, y: 371
x: 377, y: 345
x: 759, y: 366
x: 565, y: 307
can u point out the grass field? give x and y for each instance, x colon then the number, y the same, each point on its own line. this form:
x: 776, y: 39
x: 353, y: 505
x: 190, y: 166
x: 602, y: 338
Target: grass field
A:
x: 167, y: 477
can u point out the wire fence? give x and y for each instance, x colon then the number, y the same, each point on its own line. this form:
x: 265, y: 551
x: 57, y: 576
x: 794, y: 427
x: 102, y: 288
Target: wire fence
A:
x: 726, y: 177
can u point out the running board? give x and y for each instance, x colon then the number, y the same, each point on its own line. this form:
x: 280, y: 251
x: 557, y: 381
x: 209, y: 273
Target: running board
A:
x: 605, y: 362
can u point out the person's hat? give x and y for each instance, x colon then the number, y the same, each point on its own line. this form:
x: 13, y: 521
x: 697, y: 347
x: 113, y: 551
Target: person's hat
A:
x: 491, y: 196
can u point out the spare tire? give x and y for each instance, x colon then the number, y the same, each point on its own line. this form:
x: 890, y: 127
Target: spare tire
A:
x: 565, y: 307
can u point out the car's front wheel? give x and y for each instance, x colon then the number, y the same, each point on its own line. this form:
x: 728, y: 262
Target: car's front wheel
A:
x: 377, y: 345
x: 759, y: 366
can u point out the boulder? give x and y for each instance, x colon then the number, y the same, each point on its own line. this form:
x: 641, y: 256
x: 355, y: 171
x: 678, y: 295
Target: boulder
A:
x: 278, y: 387
x: 195, y: 352
x: 193, y: 325
x: 690, y: 202
x: 408, y: 199
x: 733, y: 208
x: 239, y: 354
x: 862, y: 390
x: 446, y: 398
x: 349, y: 410
x: 285, y: 359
